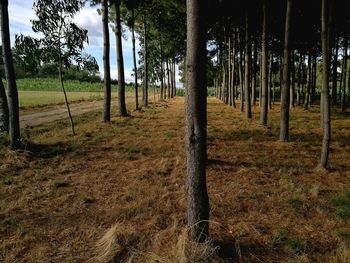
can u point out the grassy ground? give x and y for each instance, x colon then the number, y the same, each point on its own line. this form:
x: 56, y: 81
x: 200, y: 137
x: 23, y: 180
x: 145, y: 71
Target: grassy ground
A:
x: 117, y: 190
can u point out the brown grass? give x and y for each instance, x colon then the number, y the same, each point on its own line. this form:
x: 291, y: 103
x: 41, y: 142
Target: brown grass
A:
x: 268, y: 202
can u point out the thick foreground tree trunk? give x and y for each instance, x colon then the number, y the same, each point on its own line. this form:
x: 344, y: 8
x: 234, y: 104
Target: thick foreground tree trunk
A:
x: 285, y: 92
x: 264, y: 74
x: 325, y: 85
x: 14, y: 130
x: 106, y: 63
x: 120, y: 60
x: 196, y: 121
x: 4, y: 110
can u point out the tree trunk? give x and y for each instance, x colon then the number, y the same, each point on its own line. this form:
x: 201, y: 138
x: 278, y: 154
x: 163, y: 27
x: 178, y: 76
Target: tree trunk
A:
x: 162, y: 71
x: 134, y: 60
x: 247, y: 68
x: 309, y: 83
x: 264, y: 75
x: 64, y: 91
x: 335, y: 72
x: 14, y: 129
x: 241, y: 72
x: 285, y: 92
x: 4, y: 110
x: 344, y: 73
x: 325, y: 84
x: 299, y: 81
x: 196, y: 121
x: 145, y: 55
x: 254, y: 70
x: 292, y: 90
x: 233, y: 70
x: 168, y: 78
x: 106, y: 63
x: 120, y: 60
x: 270, y: 80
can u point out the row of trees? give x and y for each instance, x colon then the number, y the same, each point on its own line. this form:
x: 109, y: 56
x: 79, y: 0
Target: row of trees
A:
x: 251, y: 48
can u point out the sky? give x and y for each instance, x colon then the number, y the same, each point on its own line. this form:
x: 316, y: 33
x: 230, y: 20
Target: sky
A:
x: 21, y: 13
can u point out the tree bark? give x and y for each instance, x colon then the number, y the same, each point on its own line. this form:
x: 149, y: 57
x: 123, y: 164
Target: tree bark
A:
x: 344, y: 74
x: 285, y: 92
x: 4, y: 110
x: 309, y: 83
x: 106, y: 62
x: 335, y: 72
x: 145, y: 55
x: 196, y: 121
x: 14, y: 128
x: 64, y: 91
x: 325, y: 84
x: 241, y: 72
x: 264, y: 75
x: 247, y: 68
x: 134, y: 60
x: 120, y: 60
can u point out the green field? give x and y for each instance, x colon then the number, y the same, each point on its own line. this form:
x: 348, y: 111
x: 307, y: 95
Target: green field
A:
x: 43, y: 98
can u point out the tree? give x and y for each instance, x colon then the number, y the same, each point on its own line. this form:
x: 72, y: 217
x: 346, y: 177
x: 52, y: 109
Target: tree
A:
x: 264, y: 66
x: 4, y: 110
x: 326, y: 120
x: 285, y: 92
x: 106, y: 62
x: 248, y: 67
x: 61, y: 34
x: 14, y: 128
x: 120, y: 59
x: 196, y: 121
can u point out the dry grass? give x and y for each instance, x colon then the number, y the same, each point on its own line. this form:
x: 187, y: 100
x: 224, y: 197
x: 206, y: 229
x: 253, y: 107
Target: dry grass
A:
x: 268, y: 202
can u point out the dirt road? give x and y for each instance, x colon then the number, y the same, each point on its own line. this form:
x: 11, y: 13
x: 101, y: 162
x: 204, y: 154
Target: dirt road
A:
x: 57, y: 112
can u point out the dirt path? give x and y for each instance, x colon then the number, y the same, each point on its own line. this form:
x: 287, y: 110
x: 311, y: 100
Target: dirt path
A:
x: 58, y: 112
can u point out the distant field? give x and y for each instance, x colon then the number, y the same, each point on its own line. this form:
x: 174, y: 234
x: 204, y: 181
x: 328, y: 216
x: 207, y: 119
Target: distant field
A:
x: 43, y: 98
x: 52, y: 84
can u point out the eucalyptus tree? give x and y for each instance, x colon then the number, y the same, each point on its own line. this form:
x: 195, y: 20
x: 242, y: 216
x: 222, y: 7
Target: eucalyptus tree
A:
x: 285, y: 92
x: 120, y: 58
x: 61, y: 34
x: 4, y: 110
x: 196, y: 121
x: 14, y: 128
x: 326, y: 120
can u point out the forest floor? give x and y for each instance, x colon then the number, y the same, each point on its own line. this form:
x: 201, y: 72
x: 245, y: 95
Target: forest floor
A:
x: 117, y: 190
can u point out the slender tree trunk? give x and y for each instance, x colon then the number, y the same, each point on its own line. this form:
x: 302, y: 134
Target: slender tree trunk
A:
x: 313, y: 80
x: 196, y: 121
x: 309, y: 83
x: 254, y: 70
x: 4, y: 110
x: 299, y: 81
x: 106, y: 63
x: 241, y: 72
x: 335, y: 72
x: 292, y: 90
x: 233, y: 70
x: 248, y: 68
x: 270, y: 80
x: 14, y: 129
x: 162, y: 72
x: 134, y: 60
x: 285, y: 92
x: 64, y: 91
x: 120, y: 60
x: 168, y: 78
x: 325, y: 84
x: 344, y: 73
x: 264, y: 75
x: 145, y: 78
